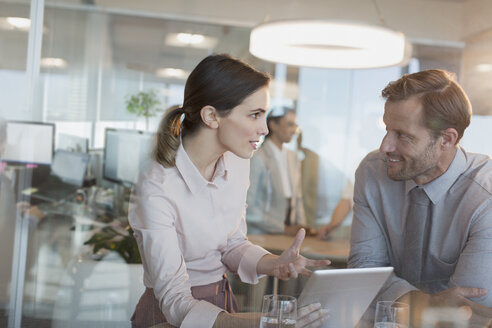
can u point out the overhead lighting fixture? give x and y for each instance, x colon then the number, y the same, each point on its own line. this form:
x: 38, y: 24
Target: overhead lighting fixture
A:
x: 50, y: 62
x: 17, y: 23
x: 190, y: 40
x: 172, y: 73
x: 328, y: 44
x: 484, y: 68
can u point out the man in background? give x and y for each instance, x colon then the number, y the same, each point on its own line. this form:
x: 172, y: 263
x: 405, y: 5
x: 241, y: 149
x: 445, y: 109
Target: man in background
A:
x: 275, y: 196
x: 423, y: 205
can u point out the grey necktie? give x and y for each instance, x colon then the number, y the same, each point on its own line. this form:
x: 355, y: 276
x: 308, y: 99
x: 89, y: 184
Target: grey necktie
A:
x: 417, y: 232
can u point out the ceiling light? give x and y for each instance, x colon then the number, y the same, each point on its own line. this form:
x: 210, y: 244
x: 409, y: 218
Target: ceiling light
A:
x: 53, y: 62
x: 190, y: 40
x: 484, y: 68
x: 328, y: 44
x: 19, y: 23
x: 172, y: 72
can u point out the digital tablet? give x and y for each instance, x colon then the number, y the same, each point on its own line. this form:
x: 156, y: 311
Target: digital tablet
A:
x: 347, y: 293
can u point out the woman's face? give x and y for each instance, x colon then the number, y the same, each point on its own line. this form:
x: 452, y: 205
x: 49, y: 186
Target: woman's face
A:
x: 241, y: 130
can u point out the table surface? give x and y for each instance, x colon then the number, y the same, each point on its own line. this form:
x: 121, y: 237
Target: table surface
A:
x: 335, y: 250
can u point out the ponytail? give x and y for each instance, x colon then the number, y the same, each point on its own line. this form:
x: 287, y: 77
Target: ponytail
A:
x: 168, y: 137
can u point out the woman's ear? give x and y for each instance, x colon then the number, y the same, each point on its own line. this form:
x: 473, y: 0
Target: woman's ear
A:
x: 210, y: 116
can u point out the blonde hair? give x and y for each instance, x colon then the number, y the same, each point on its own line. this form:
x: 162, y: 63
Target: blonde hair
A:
x: 445, y: 104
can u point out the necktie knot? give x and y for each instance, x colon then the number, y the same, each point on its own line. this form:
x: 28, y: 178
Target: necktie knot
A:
x: 418, y: 196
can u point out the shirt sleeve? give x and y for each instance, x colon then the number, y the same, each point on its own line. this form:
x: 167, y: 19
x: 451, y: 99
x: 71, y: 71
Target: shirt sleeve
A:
x: 241, y: 255
x: 367, y: 243
x: 475, y: 261
x: 152, y: 219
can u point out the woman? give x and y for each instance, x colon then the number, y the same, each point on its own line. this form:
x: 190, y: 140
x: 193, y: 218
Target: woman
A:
x: 188, y: 207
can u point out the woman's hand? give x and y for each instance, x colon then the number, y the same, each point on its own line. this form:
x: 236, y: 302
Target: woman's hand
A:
x: 290, y: 263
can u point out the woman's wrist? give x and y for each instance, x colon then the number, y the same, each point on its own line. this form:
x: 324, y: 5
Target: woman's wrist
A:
x: 267, y: 264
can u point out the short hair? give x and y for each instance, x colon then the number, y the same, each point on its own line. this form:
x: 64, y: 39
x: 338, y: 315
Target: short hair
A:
x: 445, y: 104
x: 276, y: 114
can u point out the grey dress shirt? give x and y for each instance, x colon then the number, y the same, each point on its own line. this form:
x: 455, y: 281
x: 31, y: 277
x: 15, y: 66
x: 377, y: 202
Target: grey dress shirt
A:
x: 460, y: 228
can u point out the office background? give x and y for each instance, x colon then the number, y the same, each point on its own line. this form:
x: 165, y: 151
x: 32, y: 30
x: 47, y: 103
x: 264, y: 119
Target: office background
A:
x: 79, y: 61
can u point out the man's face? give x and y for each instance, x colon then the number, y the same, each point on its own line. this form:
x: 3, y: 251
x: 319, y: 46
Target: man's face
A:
x: 285, y: 128
x: 411, y: 150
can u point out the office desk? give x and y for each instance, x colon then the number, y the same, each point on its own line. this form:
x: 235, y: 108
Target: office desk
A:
x: 335, y: 250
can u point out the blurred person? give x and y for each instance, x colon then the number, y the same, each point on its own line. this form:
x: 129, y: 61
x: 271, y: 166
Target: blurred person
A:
x: 340, y: 213
x: 309, y: 181
x: 187, y: 209
x: 423, y: 205
x: 275, y: 194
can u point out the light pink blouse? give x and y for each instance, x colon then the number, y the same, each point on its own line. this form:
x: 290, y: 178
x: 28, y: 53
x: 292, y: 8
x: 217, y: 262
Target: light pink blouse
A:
x: 190, y: 231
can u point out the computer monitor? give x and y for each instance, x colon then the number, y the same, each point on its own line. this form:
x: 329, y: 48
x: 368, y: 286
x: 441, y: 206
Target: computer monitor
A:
x: 70, y: 167
x: 72, y: 143
x: 29, y: 143
x: 125, y: 153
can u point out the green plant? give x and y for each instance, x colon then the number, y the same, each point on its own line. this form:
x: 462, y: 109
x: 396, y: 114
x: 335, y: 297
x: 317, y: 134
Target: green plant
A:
x: 144, y: 104
x: 116, y: 239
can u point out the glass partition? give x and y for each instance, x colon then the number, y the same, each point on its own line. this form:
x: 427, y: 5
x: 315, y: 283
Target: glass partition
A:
x: 94, y: 58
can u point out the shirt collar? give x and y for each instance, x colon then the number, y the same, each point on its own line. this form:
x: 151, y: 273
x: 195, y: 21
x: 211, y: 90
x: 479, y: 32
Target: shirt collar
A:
x: 437, y: 188
x: 273, y: 147
x: 192, y: 177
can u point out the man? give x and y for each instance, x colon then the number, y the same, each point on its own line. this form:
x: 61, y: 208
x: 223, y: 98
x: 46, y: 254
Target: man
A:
x: 275, y: 196
x: 423, y: 204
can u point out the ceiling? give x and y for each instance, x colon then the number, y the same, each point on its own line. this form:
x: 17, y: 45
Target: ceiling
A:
x: 132, y: 34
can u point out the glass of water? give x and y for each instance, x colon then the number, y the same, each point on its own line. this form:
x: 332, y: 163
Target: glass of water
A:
x: 391, y: 315
x: 279, y: 311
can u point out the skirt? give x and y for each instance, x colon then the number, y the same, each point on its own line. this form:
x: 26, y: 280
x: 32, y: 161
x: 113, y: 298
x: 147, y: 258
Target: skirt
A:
x: 148, y: 312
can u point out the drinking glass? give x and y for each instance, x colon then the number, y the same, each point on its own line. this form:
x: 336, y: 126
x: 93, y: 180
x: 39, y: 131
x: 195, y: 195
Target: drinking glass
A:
x: 391, y: 315
x: 278, y: 311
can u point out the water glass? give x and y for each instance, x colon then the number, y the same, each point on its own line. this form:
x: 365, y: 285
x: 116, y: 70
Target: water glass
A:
x: 391, y: 315
x: 278, y: 311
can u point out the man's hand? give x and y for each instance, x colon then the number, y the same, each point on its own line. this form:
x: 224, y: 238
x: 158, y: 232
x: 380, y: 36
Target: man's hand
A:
x: 456, y: 297
x: 324, y: 232
x: 480, y: 315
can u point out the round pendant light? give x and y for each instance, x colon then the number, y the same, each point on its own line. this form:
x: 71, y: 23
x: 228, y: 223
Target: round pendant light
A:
x: 329, y: 44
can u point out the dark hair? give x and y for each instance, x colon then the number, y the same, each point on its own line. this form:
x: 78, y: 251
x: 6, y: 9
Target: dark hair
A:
x: 219, y: 81
x: 445, y: 104
x: 275, y: 115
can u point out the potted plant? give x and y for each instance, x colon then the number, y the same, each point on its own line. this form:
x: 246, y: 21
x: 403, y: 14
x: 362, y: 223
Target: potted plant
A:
x: 144, y: 104
x: 117, y: 239
x: 104, y: 286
